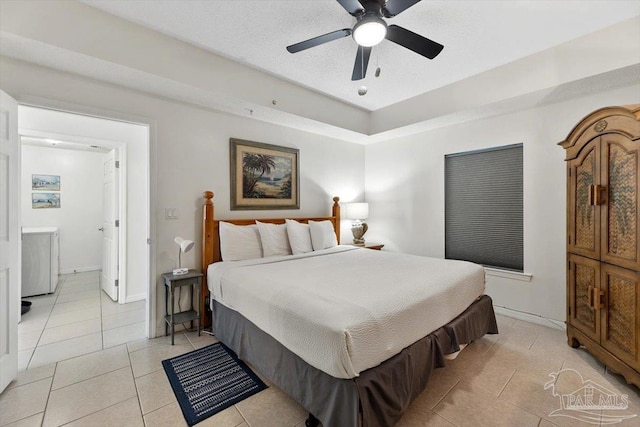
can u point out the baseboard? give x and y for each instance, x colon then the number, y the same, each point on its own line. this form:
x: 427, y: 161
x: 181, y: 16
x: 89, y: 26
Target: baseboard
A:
x: 81, y: 269
x: 531, y: 318
x: 136, y: 297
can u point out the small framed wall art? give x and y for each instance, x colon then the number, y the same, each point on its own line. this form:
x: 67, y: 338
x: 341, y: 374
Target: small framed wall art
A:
x: 45, y: 200
x: 45, y: 182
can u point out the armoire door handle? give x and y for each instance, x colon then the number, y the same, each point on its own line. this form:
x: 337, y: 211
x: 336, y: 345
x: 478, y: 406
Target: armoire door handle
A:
x: 597, y: 299
x: 598, y: 190
x: 595, y: 194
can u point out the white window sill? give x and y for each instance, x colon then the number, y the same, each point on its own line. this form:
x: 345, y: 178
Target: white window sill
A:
x: 523, y: 277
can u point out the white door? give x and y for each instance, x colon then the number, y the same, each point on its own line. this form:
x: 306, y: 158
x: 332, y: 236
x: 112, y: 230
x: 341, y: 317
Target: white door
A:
x: 110, y: 226
x: 9, y: 239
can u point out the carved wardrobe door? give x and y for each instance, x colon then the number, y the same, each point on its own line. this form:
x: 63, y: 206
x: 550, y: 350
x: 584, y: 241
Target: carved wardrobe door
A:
x: 621, y: 181
x: 620, y: 247
x: 603, y: 238
x: 620, y: 288
x: 584, y: 217
x: 584, y: 277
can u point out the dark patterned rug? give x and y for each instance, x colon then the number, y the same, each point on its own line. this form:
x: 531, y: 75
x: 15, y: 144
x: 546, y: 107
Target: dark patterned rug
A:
x: 208, y: 380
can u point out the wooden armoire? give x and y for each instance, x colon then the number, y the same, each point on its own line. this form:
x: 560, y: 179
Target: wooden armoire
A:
x: 603, y: 238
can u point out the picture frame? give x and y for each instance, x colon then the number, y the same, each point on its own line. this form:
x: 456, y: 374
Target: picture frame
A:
x: 264, y: 176
x: 43, y: 182
x: 45, y: 200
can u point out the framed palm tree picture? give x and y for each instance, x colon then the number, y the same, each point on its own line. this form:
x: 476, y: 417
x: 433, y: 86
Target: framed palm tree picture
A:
x: 264, y: 176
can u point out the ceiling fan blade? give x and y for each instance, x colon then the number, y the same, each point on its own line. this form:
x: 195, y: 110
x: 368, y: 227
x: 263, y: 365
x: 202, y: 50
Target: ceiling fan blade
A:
x: 352, y: 6
x: 395, y: 7
x: 325, y: 38
x: 415, y: 42
x: 362, y: 62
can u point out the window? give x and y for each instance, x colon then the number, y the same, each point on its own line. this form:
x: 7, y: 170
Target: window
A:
x: 484, y: 208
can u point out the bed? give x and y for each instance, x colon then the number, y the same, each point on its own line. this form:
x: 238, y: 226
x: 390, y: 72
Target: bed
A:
x: 344, y: 331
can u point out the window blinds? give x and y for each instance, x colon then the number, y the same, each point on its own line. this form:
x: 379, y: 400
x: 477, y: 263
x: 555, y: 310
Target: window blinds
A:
x: 484, y: 207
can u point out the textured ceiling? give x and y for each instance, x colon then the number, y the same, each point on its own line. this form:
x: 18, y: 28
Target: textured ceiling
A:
x: 477, y: 35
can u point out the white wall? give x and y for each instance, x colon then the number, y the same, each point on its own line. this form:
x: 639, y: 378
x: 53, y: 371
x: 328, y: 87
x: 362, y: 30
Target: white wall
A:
x: 80, y: 212
x: 108, y: 133
x: 190, y: 148
x: 405, y: 189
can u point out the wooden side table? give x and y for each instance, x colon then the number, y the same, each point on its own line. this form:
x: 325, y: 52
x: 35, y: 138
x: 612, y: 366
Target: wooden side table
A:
x: 374, y: 246
x: 193, y: 279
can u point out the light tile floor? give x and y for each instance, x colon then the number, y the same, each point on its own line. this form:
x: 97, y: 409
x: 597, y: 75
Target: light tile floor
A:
x: 496, y: 381
x: 77, y: 319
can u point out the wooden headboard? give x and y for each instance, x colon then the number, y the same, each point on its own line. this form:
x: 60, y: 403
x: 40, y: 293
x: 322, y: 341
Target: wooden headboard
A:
x: 211, y: 241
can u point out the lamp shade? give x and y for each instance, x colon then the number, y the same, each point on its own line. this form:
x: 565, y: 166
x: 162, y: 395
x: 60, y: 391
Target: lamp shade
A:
x: 185, y: 245
x: 356, y: 210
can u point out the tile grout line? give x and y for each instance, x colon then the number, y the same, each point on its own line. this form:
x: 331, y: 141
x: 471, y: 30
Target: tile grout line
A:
x: 534, y: 341
x: 57, y: 294
x: 68, y: 324
x: 491, y: 346
x: 135, y: 383
x: 442, y: 415
x: 515, y: 404
x: 155, y: 410
x: 121, y: 326
x: 58, y: 304
x: 93, y: 413
x: 242, y: 415
x: 44, y: 414
x: 87, y: 379
x: 68, y: 339
x: 507, y: 383
x: 443, y: 396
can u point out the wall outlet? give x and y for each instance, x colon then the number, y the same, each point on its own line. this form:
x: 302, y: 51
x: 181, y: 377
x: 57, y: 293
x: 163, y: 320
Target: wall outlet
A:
x: 171, y: 213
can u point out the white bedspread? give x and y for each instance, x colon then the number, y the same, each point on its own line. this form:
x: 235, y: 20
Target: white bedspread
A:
x: 344, y: 310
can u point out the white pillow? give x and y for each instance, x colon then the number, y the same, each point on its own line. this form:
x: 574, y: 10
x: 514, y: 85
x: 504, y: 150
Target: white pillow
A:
x: 299, y: 237
x: 274, y: 239
x: 239, y: 242
x: 323, y: 236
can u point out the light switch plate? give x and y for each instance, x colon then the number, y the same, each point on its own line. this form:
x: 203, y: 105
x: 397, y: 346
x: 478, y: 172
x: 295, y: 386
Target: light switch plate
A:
x: 171, y: 213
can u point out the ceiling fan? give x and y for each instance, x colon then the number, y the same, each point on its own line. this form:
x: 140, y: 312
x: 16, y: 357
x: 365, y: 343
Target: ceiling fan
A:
x: 370, y: 29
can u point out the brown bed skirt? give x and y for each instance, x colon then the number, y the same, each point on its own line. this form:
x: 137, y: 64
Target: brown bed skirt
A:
x: 380, y: 395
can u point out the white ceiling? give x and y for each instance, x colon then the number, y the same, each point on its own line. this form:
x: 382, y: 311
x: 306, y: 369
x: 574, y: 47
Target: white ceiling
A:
x: 477, y: 35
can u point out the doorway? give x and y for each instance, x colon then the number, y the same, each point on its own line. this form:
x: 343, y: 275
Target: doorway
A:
x: 117, y: 200
x: 74, y: 189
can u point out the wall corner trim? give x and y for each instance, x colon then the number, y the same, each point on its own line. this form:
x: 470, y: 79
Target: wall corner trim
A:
x: 531, y: 318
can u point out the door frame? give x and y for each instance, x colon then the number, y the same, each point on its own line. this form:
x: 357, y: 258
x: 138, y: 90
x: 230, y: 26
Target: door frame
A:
x: 151, y: 125
x: 122, y: 196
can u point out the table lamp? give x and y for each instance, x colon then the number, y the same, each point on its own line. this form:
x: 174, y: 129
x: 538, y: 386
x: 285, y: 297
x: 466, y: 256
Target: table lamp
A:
x: 357, y: 212
x: 185, y: 246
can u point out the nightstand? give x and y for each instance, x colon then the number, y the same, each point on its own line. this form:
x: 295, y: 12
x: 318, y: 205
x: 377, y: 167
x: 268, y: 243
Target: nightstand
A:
x: 374, y: 246
x: 193, y: 279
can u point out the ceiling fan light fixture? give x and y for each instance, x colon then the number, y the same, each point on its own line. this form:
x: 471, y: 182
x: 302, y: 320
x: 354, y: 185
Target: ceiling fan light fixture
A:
x: 370, y: 30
